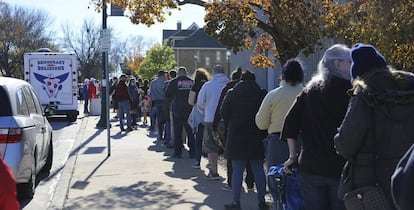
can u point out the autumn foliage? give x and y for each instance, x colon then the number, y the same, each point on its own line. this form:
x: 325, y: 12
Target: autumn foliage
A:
x: 277, y: 30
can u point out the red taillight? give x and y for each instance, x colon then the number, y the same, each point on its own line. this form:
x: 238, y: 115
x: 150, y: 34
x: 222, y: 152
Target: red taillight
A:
x: 10, y: 135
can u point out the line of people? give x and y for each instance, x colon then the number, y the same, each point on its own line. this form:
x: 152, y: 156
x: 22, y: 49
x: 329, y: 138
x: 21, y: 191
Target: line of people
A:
x: 314, y: 128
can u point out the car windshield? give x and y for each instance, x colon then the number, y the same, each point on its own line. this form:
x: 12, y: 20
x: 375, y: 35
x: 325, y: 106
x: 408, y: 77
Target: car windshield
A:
x: 5, y: 109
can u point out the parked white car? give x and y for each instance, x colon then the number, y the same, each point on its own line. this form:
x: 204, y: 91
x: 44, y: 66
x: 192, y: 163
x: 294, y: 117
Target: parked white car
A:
x: 25, y: 134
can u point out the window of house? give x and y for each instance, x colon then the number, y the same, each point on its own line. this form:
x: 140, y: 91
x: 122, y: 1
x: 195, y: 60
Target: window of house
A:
x: 207, y: 61
x: 218, y: 56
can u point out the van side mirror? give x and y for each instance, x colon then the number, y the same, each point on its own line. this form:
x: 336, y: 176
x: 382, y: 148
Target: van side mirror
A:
x: 49, y: 111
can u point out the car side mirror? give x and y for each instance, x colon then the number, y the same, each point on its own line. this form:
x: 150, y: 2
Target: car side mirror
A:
x: 49, y: 111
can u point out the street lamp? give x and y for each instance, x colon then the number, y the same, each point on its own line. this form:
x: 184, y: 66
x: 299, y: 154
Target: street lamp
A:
x: 228, y: 54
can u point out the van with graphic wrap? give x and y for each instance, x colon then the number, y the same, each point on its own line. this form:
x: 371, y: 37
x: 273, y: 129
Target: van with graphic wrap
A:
x: 54, y: 77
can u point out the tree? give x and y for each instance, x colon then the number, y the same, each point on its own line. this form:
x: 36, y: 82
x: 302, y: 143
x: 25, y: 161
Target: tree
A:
x: 158, y: 57
x: 281, y: 28
x: 143, y: 11
x: 388, y: 25
x: 22, y: 30
x: 85, y: 44
x: 135, y: 53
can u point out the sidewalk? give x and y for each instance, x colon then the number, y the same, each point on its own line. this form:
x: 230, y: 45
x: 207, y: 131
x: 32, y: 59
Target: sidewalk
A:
x: 139, y: 174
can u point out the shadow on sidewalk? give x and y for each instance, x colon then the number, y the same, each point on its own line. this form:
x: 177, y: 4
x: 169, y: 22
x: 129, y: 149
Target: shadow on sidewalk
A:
x: 142, y: 195
x: 82, y: 184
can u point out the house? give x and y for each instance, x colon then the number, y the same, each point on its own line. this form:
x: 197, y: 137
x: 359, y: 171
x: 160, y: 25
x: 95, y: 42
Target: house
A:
x: 193, y: 48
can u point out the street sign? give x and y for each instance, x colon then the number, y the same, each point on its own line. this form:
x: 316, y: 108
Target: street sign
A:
x: 105, y: 40
x: 116, y: 10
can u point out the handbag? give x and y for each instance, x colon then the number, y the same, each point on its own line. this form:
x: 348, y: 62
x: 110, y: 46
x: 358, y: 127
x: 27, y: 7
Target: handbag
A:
x: 367, y: 197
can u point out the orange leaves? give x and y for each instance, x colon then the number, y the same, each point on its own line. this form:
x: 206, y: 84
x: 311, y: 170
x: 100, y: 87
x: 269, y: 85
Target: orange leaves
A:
x: 388, y: 25
x: 280, y: 28
x: 261, y: 61
x: 144, y: 11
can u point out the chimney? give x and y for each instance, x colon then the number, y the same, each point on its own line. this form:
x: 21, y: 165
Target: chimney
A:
x: 179, y: 25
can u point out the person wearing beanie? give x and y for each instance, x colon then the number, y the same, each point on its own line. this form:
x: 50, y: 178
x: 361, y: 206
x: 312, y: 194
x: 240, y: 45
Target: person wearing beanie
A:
x: 365, y: 58
x: 315, y: 116
x: 271, y: 115
x: 377, y: 129
x: 244, y: 138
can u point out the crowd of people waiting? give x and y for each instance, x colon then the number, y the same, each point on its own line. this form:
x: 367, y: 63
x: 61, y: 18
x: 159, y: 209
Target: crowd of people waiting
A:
x: 355, y: 112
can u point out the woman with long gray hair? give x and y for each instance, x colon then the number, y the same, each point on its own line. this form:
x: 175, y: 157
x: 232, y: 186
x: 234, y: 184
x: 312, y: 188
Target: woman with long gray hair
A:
x: 315, y: 115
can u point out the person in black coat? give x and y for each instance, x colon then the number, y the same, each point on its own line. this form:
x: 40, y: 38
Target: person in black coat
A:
x: 244, y: 138
x: 178, y: 90
x: 378, y: 127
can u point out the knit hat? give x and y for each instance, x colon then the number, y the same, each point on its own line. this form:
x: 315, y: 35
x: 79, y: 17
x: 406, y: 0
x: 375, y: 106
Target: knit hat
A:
x: 364, y: 59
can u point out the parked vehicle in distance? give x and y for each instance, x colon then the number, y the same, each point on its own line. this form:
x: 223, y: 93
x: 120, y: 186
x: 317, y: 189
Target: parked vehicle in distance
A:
x: 25, y: 134
x: 54, y: 77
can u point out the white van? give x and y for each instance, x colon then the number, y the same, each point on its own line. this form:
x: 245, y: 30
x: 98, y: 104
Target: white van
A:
x: 54, y: 77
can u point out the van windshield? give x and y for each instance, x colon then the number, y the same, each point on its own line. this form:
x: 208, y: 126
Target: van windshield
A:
x: 5, y: 109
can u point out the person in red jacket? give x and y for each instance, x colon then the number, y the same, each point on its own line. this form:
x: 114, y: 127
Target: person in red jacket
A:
x: 8, y: 192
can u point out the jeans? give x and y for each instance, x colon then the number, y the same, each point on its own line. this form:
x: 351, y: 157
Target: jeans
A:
x: 320, y: 192
x: 124, y: 109
x: 162, y: 114
x: 198, y: 142
x: 259, y: 178
x: 249, y: 179
x: 167, y: 138
x: 152, y: 116
x: 277, y: 152
x: 179, y: 124
x: 86, y: 106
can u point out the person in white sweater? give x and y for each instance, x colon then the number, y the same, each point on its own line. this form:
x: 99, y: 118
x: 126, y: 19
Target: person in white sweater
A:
x: 207, y: 101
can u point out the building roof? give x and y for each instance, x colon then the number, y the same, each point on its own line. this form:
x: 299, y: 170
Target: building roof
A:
x: 199, y: 39
x: 192, y: 37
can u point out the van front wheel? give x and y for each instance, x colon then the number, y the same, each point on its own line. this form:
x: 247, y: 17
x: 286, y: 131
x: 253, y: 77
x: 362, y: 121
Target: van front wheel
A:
x: 72, y: 118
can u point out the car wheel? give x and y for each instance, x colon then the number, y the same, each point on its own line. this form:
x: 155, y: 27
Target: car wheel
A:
x: 48, y: 165
x: 27, y: 190
x: 72, y: 118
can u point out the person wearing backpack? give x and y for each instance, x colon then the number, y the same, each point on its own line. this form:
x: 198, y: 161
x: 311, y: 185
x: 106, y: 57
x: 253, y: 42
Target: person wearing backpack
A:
x: 378, y: 127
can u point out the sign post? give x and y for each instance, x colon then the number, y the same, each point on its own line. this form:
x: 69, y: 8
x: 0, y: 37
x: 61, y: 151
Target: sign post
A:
x: 105, y: 47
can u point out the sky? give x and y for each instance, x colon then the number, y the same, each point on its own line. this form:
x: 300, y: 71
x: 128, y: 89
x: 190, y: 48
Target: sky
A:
x: 74, y: 12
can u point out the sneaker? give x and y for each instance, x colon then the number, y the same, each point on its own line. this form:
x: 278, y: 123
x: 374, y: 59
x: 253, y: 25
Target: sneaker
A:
x: 263, y: 206
x: 196, y: 165
x: 232, y: 206
x: 213, y: 176
x: 226, y: 188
